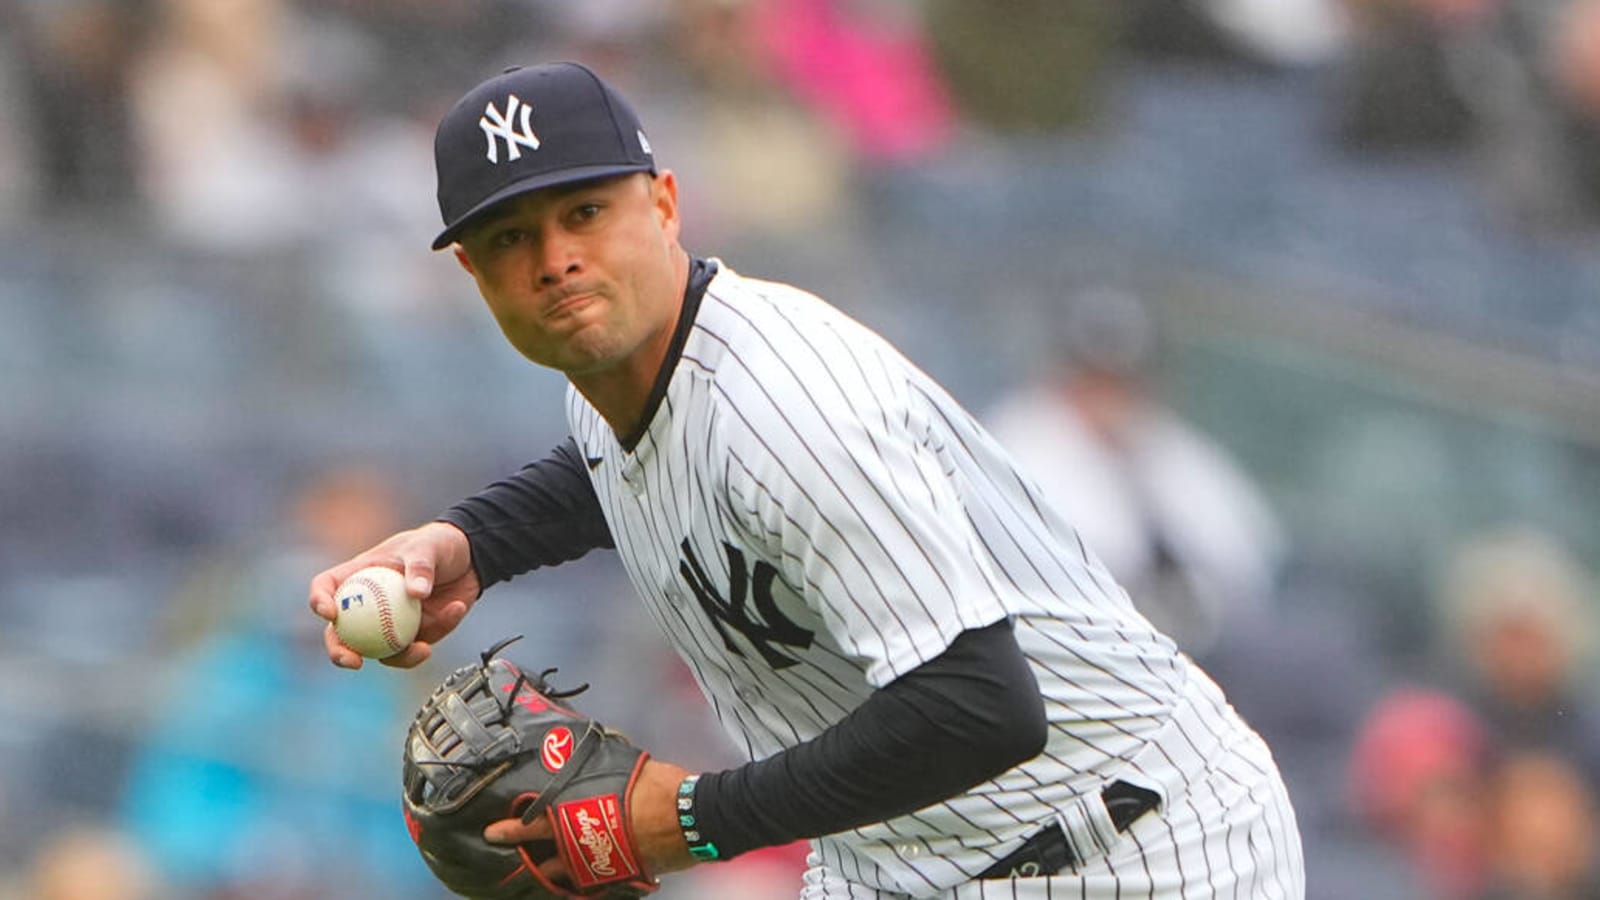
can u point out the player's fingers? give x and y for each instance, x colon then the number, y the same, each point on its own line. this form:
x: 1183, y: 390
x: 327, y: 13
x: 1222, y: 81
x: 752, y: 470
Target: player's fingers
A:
x: 325, y: 585
x: 436, y: 623
x: 320, y: 597
x: 516, y: 831
x: 419, y: 575
x: 338, y: 653
x: 415, y: 654
x: 554, y: 871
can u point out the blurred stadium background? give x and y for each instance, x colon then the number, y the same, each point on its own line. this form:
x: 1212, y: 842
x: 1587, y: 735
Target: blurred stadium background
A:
x: 1354, y: 244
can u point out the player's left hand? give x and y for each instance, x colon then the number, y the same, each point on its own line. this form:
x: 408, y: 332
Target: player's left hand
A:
x: 653, y: 808
x: 495, y: 745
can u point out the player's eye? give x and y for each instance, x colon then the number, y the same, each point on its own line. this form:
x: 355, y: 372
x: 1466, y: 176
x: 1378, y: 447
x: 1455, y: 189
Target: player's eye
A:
x: 507, y: 237
x: 585, y: 212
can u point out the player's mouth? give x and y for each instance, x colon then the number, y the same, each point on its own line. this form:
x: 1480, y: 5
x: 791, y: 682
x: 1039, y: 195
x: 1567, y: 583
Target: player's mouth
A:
x: 568, y: 302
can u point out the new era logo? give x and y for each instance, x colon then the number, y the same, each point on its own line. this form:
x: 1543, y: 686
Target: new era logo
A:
x: 514, y: 127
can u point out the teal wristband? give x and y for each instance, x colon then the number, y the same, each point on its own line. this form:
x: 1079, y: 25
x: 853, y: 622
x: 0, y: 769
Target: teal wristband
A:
x: 701, y: 849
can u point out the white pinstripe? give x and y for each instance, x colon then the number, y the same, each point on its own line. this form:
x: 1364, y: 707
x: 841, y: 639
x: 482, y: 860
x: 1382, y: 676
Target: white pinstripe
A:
x: 793, y: 438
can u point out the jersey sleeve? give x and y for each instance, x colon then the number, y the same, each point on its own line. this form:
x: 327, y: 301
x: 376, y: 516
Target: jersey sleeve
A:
x: 959, y: 719
x: 545, y: 514
x: 837, y: 471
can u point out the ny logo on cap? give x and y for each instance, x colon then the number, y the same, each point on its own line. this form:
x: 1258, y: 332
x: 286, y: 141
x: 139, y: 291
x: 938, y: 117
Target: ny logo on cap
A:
x: 496, y: 125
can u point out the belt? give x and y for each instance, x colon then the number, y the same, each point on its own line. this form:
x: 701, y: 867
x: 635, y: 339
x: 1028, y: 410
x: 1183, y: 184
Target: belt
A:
x: 1048, y: 851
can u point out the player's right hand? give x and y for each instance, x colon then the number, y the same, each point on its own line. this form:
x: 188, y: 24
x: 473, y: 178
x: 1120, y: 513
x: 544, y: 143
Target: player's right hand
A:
x: 437, y: 562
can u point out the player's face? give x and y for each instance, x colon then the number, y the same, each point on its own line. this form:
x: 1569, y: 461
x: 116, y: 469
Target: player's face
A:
x: 581, y: 277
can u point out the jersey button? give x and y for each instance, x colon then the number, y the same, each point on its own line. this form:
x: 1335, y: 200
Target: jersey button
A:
x: 908, y: 850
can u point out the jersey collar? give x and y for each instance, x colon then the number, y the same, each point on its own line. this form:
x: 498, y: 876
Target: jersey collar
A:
x: 701, y: 271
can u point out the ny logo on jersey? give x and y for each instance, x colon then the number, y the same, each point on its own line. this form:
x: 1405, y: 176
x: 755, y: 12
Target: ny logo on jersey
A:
x: 495, y: 125
x: 773, y: 627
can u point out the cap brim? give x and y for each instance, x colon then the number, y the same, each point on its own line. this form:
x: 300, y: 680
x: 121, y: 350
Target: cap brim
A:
x: 534, y: 183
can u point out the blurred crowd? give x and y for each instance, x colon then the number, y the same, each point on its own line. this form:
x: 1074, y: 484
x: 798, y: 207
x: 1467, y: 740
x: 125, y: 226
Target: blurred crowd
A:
x: 243, y: 126
x: 1293, y: 305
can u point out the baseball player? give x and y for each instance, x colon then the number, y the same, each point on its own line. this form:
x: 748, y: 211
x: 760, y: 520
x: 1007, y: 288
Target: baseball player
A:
x: 936, y: 681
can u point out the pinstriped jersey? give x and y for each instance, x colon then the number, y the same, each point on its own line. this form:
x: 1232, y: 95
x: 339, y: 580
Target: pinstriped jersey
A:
x: 808, y: 516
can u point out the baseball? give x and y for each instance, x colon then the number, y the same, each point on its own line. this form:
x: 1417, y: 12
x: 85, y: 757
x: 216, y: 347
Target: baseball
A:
x: 377, y: 618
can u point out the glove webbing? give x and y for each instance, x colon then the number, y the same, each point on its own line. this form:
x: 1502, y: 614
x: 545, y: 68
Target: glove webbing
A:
x: 470, y: 730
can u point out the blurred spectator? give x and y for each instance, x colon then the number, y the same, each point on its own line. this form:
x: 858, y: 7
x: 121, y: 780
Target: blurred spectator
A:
x: 267, y: 773
x: 1534, y: 69
x: 1517, y: 615
x: 1028, y: 66
x: 1576, y: 55
x: 1417, y: 777
x: 1237, y: 32
x: 1170, y: 513
x: 260, y: 134
x: 752, y: 137
x: 217, y: 165
x: 864, y: 66
x: 75, y: 57
x: 611, y: 35
x: 1396, y: 86
x: 83, y: 863
x: 418, y: 45
x: 18, y: 179
x: 1545, y: 836
x: 1575, y: 61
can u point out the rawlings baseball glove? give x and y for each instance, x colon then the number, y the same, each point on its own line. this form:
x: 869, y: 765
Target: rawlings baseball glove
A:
x: 493, y: 743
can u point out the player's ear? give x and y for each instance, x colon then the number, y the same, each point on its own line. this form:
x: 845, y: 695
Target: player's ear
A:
x: 664, y: 199
x: 461, y: 257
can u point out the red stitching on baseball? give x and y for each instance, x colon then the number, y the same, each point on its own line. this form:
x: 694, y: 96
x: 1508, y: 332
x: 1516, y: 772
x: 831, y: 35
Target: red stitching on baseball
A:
x: 385, y: 615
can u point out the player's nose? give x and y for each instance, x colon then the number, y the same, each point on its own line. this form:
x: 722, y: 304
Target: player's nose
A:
x: 554, y: 275
x: 558, y: 259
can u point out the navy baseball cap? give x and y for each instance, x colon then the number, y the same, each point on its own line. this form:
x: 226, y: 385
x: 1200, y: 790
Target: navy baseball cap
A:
x: 531, y: 128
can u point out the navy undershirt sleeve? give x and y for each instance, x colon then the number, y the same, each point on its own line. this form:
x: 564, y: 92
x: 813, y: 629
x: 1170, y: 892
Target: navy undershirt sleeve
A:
x: 545, y: 514
x: 956, y: 721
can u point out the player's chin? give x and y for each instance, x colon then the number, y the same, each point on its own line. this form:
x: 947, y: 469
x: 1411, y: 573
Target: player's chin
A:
x: 586, y: 351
